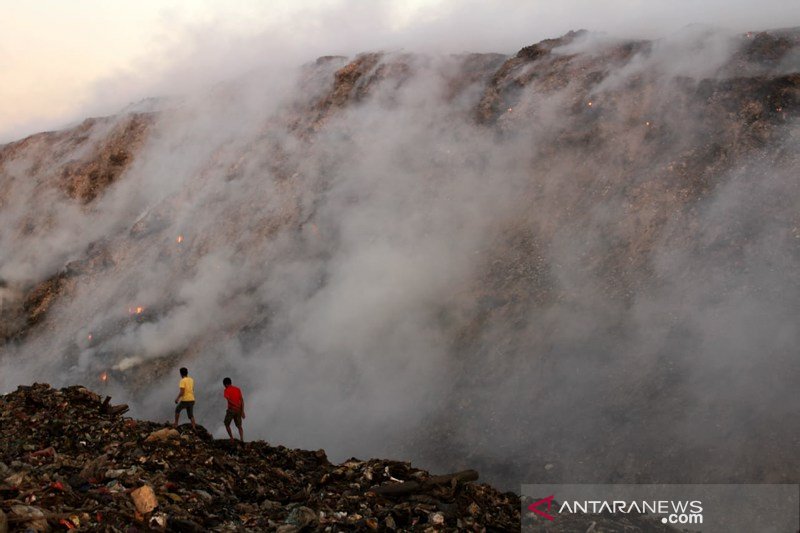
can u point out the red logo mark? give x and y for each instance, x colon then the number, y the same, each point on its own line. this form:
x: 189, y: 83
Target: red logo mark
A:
x: 535, y: 507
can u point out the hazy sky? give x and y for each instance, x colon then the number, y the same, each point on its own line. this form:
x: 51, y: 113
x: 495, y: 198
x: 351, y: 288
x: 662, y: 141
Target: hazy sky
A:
x: 62, y: 60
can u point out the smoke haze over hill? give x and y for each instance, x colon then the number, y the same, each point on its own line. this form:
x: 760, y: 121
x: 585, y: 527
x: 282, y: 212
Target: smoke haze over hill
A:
x: 66, y: 62
x: 582, y: 256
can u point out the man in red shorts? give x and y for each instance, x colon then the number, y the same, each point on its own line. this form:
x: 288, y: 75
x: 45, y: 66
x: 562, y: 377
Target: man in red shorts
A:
x: 235, y: 410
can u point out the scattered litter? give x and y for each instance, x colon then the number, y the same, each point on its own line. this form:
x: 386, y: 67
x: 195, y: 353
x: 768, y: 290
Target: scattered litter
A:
x: 86, y: 467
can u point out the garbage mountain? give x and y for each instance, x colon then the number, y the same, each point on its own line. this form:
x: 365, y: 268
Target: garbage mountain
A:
x: 577, y: 262
x: 69, y: 461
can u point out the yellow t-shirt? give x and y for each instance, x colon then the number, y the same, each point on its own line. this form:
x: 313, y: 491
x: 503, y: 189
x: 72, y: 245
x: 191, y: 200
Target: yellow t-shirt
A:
x: 187, y: 384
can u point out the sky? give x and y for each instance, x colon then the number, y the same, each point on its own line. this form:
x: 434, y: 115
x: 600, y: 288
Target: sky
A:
x: 62, y: 61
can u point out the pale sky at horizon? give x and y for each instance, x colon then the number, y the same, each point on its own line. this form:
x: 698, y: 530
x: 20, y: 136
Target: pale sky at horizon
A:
x: 63, y: 60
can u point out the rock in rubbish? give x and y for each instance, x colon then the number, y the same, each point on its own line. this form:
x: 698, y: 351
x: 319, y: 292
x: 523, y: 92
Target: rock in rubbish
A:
x: 163, y: 435
x: 436, y: 519
x: 301, y: 517
x: 32, y: 518
x: 144, y: 499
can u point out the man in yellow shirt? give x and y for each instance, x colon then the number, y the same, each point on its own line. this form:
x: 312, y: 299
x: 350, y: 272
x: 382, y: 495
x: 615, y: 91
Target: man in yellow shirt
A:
x: 185, y: 399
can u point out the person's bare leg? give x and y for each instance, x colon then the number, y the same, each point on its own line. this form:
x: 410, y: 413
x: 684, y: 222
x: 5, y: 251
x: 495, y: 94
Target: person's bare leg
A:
x: 228, y: 428
x: 177, y: 416
x: 194, y: 427
x: 241, y: 433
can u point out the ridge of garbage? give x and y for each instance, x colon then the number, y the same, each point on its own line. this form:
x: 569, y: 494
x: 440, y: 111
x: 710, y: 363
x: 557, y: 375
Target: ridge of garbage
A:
x: 70, y: 460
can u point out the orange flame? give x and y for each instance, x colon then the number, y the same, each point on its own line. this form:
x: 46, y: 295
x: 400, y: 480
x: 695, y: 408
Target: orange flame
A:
x: 179, y: 239
x: 89, y: 336
x: 104, y: 377
x: 589, y: 104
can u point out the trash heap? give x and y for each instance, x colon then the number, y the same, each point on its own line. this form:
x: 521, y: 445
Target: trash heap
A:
x: 69, y: 459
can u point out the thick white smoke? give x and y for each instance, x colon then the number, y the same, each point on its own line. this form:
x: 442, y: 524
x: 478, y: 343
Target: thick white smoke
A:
x: 47, y: 55
x: 396, y: 278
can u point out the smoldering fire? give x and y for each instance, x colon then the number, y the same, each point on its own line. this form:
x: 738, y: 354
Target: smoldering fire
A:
x: 447, y: 258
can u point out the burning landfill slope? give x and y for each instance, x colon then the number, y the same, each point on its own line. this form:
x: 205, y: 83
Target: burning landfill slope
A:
x: 575, y: 263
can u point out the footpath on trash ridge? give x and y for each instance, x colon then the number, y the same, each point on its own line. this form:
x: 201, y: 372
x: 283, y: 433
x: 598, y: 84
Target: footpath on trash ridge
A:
x: 69, y: 459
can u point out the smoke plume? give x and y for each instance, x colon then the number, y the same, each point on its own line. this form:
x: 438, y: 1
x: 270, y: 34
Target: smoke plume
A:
x: 575, y: 263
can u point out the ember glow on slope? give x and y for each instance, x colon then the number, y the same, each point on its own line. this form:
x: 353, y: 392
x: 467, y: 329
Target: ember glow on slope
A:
x: 63, y: 61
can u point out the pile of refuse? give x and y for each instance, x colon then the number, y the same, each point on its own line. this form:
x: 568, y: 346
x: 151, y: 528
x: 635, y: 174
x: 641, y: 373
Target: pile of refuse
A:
x: 69, y: 459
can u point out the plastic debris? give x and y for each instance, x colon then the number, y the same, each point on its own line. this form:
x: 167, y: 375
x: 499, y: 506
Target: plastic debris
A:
x: 105, y: 472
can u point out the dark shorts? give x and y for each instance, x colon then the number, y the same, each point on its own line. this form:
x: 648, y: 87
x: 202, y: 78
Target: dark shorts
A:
x: 235, y: 416
x: 189, y: 406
